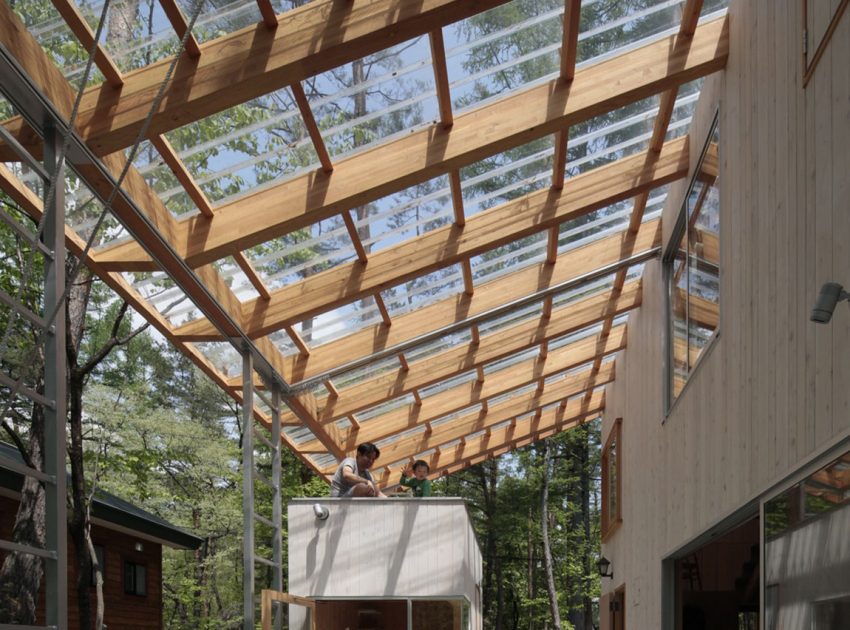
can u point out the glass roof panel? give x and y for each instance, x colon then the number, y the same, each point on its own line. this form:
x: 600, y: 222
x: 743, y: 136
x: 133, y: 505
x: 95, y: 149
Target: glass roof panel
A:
x: 360, y: 103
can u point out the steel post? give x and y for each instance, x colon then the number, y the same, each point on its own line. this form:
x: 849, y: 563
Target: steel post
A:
x: 248, y: 489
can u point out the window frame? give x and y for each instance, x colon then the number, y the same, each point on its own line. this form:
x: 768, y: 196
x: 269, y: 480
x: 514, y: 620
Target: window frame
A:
x: 609, y: 523
x: 135, y: 587
x: 668, y: 260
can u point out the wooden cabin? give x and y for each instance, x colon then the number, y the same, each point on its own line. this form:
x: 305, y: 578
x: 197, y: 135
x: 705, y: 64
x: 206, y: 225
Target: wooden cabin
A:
x: 384, y: 564
x: 128, y: 541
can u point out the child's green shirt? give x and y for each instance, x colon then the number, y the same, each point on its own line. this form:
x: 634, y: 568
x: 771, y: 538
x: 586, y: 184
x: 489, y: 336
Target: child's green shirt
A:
x: 420, y: 488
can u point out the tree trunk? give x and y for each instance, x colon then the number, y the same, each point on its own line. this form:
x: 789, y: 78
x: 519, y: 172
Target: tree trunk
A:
x: 21, y: 573
x: 79, y: 521
x: 544, y: 527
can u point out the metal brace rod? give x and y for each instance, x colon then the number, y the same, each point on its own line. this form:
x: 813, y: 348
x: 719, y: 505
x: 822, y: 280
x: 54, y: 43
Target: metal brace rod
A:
x: 25, y: 234
x: 23, y: 469
x: 26, y: 156
x: 26, y: 391
x: 24, y: 312
x: 33, y: 551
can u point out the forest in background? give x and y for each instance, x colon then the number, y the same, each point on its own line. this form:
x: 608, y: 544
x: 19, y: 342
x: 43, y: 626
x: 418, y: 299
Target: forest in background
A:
x: 146, y: 425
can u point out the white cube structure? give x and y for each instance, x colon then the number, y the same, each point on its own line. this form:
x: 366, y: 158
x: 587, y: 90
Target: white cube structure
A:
x: 385, y: 564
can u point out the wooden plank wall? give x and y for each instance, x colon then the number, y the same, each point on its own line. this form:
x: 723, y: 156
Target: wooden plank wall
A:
x: 774, y: 390
x: 383, y: 548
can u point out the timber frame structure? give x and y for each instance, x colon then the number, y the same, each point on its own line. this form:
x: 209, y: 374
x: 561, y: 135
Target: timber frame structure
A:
x: 493, y: 362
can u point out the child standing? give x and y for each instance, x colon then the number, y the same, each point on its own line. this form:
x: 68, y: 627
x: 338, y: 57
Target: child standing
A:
x: 419, y: 482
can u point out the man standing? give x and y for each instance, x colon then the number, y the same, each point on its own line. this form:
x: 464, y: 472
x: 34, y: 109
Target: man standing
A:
x: 352, y: 478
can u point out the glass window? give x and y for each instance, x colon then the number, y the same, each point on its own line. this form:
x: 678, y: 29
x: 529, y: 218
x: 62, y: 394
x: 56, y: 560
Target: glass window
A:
x: 611, y: 484
x: 692, y: 271
x: 806, y: 555
x: 135, y: 578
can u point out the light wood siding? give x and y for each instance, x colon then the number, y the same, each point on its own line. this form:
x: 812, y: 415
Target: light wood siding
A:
x: 774, y: 389
x: 381, y: 549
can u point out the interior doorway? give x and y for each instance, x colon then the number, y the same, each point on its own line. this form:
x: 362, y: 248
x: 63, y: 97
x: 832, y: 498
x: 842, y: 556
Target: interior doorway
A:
x: 717, y: 585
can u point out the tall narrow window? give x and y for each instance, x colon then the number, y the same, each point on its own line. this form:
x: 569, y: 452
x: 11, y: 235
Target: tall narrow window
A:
x: 611, y: 481
x: 692, y: 271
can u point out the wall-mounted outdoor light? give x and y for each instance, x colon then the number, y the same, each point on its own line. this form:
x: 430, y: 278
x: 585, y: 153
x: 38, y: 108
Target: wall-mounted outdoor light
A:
x: 831, y: 293
x: 604, y: 564
x: 321, y: 512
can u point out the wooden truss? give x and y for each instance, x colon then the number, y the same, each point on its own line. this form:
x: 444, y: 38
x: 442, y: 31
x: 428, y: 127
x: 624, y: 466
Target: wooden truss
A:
x: 489, y: 388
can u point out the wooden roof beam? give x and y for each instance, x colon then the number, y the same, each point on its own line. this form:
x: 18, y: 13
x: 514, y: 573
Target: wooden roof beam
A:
x: 311, y: 125
x: 468, y: 424
x: 267, y: 12
x: 569, y: 50
x: 256, y: 60
x: 474, y: 392
x: 193, y: 49
x: 512, y: 121
x: 449, y: 245
x: 454, y: 361
x: 82, y: 31
x: 457, y: 308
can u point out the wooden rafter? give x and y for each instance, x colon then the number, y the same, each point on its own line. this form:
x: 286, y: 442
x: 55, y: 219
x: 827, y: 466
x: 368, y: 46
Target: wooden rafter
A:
x: 351, y: 228
x: 518, y: 119
x: 469, y: 423
x: 82, y: 31
x: 179, y: 24
x: 454, y: 361
x: 474, y: 392
x: 267, y: 12
x: 569, y: 51
x: 312, y: 127
x: 510, y: 287
x: 314, y: 38
x: 511, y: 441
x: 448, y: 245
x: 169, y: 155
x: 524, y: 430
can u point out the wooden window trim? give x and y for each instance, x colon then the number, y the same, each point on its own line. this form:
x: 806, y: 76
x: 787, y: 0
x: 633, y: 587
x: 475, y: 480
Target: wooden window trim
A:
x: 612, y: 522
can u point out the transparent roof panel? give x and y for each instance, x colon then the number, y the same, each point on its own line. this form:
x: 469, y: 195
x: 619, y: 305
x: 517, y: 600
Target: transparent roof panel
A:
x: 372, y: 98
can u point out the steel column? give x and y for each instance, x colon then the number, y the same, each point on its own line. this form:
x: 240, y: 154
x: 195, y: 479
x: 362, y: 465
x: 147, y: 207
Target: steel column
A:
x: 56, y: 575
x: 248, y: 490
x: 277, y: 508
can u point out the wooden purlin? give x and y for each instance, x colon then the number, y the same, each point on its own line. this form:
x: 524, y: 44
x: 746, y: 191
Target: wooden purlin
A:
x: 523, y: 431
x: 569, y: 50
x: 312, y: 127
x: 471, y: 393
x: 470, y: 423
x: 495, y: 346
x: 254, y: 61
x: 449, y: 245
x: 17, y: 40
x: 512, y: 121
x: 192, y: 48
x: 82, y: 31
x: 458, y: 308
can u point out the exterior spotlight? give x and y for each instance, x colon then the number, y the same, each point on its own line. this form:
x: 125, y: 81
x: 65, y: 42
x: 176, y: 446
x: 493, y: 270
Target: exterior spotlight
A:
x: 321, y: 512
x: 603, y: 564
x: 831, y: 293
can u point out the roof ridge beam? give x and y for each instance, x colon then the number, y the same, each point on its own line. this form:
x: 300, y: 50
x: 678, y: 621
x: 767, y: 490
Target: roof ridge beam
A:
x: 525, y: 116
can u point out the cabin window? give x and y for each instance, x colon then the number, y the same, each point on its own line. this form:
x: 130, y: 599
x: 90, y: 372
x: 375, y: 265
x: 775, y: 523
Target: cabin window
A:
x: 611, y: 481
x: 135, y: 578
x: 692, y: 272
